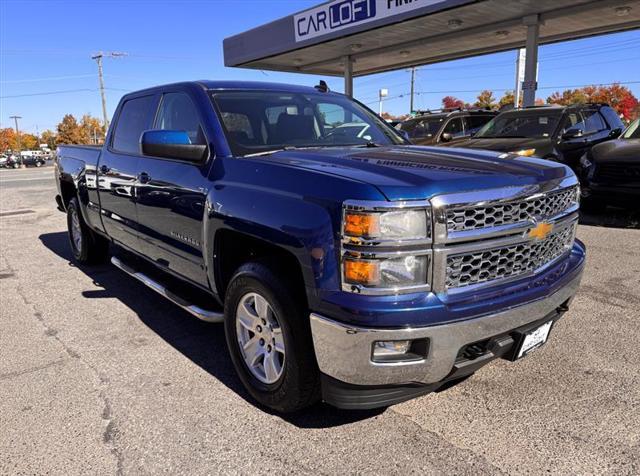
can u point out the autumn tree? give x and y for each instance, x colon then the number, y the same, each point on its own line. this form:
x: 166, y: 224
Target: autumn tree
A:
x: 617, y: 96
x: 48, y: 137
x: 29, y: 142
x: 450, y: 102
x: 91, y: 130
x: 8, y: 139
x: 508, y: 99
x: 486, y: 100
x: 69, y: 131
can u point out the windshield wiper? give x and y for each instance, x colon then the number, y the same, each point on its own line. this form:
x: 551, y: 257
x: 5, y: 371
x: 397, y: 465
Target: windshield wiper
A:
x: 270, y: 151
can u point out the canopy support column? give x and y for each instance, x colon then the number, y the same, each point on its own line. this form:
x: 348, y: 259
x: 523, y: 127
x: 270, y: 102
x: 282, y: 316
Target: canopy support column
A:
x: 348, y: 76
x: 530, y: 85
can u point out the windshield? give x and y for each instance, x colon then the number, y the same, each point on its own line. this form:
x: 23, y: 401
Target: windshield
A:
x: 521, y: 124
x: 633, y: 131
x: 422, y: 127
x: 262, y: 121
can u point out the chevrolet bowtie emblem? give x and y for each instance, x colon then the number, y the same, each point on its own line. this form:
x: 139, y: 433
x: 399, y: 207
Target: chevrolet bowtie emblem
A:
x: 541, y: 231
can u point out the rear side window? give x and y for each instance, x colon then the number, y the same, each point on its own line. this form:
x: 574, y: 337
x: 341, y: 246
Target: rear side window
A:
x: 178, y: 113
x: 135, y: 117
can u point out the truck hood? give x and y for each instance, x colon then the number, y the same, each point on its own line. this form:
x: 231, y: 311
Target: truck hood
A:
x: 506, y: 144
x: 413, y: 173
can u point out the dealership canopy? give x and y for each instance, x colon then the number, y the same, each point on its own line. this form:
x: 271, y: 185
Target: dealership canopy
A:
x: 359, y: 37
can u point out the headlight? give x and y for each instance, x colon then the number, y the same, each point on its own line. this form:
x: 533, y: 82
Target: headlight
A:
x: 388, y: 273
x: 386, y: 225
x: 386, y: 247
x: 525, y: 152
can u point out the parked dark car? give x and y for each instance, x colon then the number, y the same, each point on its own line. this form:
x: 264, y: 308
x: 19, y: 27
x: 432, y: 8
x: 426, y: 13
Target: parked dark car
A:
x: 33, y: 161
x: 560, y: 133
x: 610, y: 172
x: 445, y: 125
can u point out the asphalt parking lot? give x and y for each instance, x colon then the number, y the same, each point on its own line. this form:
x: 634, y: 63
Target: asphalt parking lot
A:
x: 98, y: 375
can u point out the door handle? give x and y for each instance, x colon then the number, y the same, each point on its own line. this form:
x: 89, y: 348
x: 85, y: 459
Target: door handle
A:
x: 144, y: 177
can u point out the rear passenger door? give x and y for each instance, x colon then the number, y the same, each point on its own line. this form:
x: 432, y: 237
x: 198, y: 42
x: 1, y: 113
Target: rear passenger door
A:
x: 118, y: 169
x: 172, y: 194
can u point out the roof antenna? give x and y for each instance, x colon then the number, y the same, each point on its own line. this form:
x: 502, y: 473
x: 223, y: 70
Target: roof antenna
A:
x: 322, y: 87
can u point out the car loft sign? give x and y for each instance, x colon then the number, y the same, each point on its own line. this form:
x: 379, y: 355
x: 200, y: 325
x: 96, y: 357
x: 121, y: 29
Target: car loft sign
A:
x: 341, y: 14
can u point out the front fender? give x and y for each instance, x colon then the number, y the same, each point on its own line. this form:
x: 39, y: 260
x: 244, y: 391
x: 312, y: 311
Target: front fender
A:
x: 301, y: 227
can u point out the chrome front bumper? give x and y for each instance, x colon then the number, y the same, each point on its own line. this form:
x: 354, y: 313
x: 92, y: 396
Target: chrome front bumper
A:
x: 344, y: 352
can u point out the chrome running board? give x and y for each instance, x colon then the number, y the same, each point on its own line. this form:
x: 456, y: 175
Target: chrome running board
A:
x: 202, y: 314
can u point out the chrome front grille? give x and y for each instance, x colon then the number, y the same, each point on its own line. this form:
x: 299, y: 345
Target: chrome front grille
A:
x: 476, y: 267
x: 487, y: 237
x: 466, y: 218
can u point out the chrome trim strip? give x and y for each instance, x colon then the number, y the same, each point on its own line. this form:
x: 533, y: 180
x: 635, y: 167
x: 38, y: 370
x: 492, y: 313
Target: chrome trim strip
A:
x: 344, y: 351
x: 202, y: 314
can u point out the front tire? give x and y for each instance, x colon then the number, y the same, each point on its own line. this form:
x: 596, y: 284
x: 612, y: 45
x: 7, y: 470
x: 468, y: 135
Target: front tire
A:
x: 269, y: 339
x: 87, y: 246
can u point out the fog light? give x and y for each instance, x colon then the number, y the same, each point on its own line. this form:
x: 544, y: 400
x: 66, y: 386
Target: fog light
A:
x: 383, y: 349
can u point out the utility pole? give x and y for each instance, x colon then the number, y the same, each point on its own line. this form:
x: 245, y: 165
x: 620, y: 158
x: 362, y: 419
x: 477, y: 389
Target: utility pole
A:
x: 15, y: 118
x: 98, y: 58
x: 413, y: 81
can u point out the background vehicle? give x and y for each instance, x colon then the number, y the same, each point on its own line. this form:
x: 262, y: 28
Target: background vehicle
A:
x: 610, y: 172
x: 34, y: 160
x: 552, y: 132
x: 360, y: 271
x: 446, y: 125
x: 10, y: 161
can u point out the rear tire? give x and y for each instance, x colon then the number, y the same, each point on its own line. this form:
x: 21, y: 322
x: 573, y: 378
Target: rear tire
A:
x: 255, y: 330
x: 87, y: 246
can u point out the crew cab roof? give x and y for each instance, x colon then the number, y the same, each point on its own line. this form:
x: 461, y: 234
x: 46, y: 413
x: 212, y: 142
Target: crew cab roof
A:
x: 233, y: 85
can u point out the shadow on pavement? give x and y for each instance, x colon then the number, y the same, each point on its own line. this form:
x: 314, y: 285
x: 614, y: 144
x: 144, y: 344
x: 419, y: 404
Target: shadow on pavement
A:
x: 204, y: 344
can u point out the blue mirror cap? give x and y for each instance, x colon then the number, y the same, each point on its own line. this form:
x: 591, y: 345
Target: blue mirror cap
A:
x: 158, y: 136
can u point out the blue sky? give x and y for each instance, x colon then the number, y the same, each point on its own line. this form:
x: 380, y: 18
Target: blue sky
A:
x: 45, y: 47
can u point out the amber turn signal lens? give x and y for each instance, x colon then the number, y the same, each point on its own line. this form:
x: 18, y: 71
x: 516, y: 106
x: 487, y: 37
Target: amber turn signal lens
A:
x: 362, y: 272
x: 360, y: 224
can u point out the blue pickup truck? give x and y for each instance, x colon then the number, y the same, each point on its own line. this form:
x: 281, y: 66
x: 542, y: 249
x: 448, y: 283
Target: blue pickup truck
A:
x: 346, y: 264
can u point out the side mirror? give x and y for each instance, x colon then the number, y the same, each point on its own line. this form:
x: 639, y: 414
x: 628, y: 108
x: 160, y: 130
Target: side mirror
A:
x: 446, y: 137
x: 615, y: 133
x: 171, y: 145
x: 573, y: 134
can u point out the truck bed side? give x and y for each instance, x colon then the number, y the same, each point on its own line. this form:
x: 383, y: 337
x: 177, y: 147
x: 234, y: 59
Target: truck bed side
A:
x: 76, y: 176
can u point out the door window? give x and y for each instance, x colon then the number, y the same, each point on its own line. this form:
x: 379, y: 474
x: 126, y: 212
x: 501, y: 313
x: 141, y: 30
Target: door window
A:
x: 178, y: 113
x: 475, y: 123
x: 135, y: 117
x: 593, y: 121
x: 454, y: 127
